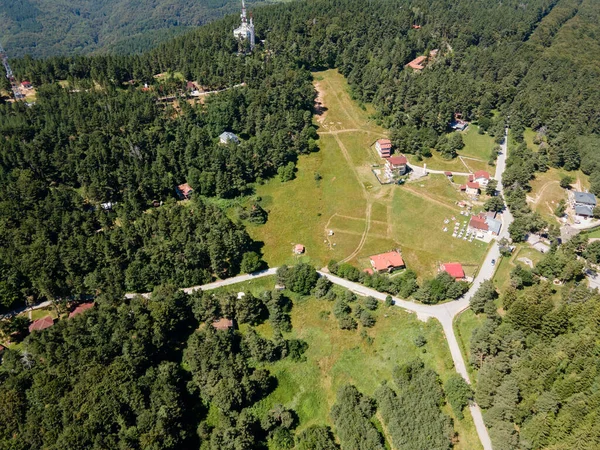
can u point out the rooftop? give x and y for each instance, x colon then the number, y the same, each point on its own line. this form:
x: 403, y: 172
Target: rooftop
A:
x: 418, y: 63
x: 384, y: 143
x: 585, y: 198
x: 223, y: 324
x: 482, y: 174
x: 81, y: 309
x: 454, y: 269
x: 398, y: 160
x: 478, y: 223
x: 41, y: 324
x: 384, y: 261
x: 473, y: 185
x: 493, y: 225
x: 584, y: 210
x: 185, y: 189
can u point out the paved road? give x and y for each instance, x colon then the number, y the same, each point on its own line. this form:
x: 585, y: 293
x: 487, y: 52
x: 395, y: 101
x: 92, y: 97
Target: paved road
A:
x: 220, y: 283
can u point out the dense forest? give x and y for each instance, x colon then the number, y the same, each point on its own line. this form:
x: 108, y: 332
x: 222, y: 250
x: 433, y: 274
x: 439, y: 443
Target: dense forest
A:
x: 161, y: 373
x: 42, y: 28
x: 538, y: 362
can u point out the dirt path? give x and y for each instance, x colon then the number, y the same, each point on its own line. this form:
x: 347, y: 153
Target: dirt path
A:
x: 538, y: 197
x: 426, y: 197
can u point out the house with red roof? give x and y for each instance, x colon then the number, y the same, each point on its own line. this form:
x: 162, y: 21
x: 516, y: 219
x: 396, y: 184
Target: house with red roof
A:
x: 455, y: 270
x: 184, y: 191
x: 26, y: 84
x: 387, y: 262
x: 384, y: 147
x: 396, y: 165
x: 472, y: 188
x: 81, y: 309
x: 299, y: 249
x: 223, y: 324
x: 482, y: 177
x: 41, y: 324
x: 478, y: 224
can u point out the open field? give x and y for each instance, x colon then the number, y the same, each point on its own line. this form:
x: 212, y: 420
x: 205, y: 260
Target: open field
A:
x: 336, y: 357
x: 365, y: 216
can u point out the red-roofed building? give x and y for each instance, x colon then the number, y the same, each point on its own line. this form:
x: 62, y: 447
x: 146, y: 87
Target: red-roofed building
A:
x: 482, y: 177
x: 384, y: 147
x: 478, y: 223
x: 418, y: 63
x: 223, y: 324
x: 299, y: 249
x: 472, y: 188
x: 184, y: 191
x: 396, y: 164
x: 81, y: 309
x: 454, y: 269
x: 448, y: 174
x: 416, y: 27
x: 26, y: 84
x: 387, y: 262
x: 41, y: 324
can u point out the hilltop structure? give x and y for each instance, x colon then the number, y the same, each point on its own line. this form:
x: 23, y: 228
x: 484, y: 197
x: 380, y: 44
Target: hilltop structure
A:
x: 245, y: 32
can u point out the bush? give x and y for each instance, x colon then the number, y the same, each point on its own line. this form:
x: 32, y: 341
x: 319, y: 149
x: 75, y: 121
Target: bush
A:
x: 420, y: 341
x: 389, y: 301
x: 459, y: 394
x: 371, y: 303
x: 367, y: 319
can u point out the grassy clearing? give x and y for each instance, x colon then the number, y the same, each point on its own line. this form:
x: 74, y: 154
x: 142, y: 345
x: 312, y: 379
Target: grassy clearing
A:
x: 335, y: 357
x: 529, y: 136
x: 594, y: 234
x: 302, y: 210
x: 419, y: 226
x: 464, y: 326
x: 477, y: 145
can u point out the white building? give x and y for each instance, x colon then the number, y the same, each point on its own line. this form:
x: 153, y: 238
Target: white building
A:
x: 246, y: 30
x: 227, y: 136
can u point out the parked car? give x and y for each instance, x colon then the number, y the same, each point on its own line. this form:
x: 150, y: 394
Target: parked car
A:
x: 493, y: 262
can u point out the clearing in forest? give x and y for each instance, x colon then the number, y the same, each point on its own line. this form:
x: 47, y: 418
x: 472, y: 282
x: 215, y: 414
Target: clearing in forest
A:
x: 336, y: 191
x: 336, y: 357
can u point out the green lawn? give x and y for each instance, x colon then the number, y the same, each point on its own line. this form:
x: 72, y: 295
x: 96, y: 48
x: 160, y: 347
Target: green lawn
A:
x: 335, y: 357
x: 304, y: 210
x: 418, y: 226
x: 594, y: 233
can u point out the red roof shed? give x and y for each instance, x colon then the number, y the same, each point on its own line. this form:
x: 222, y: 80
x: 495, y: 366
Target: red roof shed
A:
x: 41, y: 324
x: 454, y: 269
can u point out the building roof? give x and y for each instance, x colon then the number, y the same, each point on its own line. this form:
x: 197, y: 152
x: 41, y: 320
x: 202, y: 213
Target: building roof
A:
x: 398, y: 160
x: 384, y: 143
x: 41, y: 324
x: 185, y: 189
x: 584, y: 210
x: 493, y: 225
x: 454, y: 269
x: 482, y: 174
x: 229, y: 136
x: 585, y: 198
x: 223, y: 324
x: 81, y: 309
x: 473, y: 185
x: 478, y: 223
x: 299, y: 248
x: 418, y: 63
x: 490, y: 214
x: 384, y: 261
x: 448, y: 174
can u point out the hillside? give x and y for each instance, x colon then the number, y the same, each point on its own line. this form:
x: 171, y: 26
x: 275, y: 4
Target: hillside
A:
x: 44, y: 28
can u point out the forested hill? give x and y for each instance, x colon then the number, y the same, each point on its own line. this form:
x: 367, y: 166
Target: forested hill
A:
x: 43, y: 28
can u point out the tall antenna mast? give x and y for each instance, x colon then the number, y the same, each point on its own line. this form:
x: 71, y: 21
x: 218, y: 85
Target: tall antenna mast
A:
x: 10, y: 75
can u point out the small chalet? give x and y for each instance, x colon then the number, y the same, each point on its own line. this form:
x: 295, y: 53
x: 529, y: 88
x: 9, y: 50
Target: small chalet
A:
x: 227, y: 136
x: 81, y: 309
x: 191, y: 86
x: 41, y: 324
x: 384, y: 147
x: 299, y: 249
x: 455, y: 270
x: 481, y: 176
x: 26, y: 84
x: 471, y: 188
x: 478, y: 224
x: 184, y: 191
x: 396, y: 164
x: 387, y: 262
x: 416, y: 27
x: 223, y: 324
x: 448, y: 174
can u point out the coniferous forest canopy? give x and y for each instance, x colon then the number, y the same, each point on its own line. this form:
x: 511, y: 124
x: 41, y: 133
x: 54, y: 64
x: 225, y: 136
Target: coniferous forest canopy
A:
x: 42, y: 28
x: 102, y: 140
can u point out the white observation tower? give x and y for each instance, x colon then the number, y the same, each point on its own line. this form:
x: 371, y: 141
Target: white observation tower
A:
x: 246, y: 30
